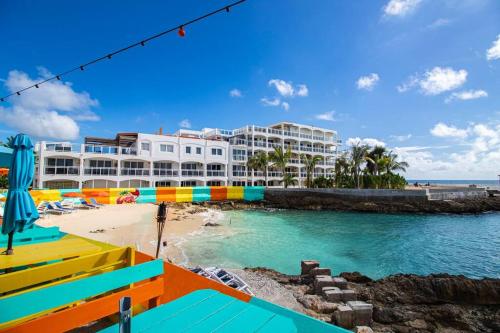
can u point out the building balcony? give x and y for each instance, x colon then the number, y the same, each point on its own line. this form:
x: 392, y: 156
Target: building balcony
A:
x: 291, y: 134
x: 69, y: 171
x: 165, y: 172
x: 100, y: 171
x: 274, y: 174
x: 318, y: 150
x: 273, y: 145
x: 135, y: 172
x: 259, y: 144
x: 216, y: 173
x: 239, y: 158
x: 239, y: 174
x: 192, y: 173
x: 62, y: 147
x: 109, y: 150
x: 306, y: 149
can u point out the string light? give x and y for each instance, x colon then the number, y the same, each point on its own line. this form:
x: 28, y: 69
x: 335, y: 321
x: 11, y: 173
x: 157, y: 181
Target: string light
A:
x: 179, y: 28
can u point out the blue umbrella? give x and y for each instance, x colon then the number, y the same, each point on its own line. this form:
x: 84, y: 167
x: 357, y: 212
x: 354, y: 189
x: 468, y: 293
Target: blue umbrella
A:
x: 20, y: 211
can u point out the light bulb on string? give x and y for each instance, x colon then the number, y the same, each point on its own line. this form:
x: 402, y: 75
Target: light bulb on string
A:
x: 181, y: 31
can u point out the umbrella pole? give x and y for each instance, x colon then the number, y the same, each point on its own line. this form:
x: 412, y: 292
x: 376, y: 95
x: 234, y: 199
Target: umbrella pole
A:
x: 10, y: 250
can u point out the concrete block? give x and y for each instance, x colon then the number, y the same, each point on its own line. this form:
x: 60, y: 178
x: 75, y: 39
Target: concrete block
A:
x: 333, y: 295
x: 321, y: 281
x: 340, y: 282
x: 328, y: 288
x: 343, y: 317
x: 363, y: 329
x: 349, y: 295
x: 320, y: 271
x: 362, y: 312
x: 307, y: 265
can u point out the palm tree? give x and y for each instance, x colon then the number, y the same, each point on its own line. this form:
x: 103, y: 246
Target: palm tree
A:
x: 358, y: 157
x: 288, y: 179
x: 392, y: 163
x: 280, y: 158
x: 309, y: 164
x: 375, y: 160
x: 342, y: 170
x: 9, y: 143
x: 260, y: 162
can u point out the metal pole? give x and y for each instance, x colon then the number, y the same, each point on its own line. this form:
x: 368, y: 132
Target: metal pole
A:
x: 125, y: 315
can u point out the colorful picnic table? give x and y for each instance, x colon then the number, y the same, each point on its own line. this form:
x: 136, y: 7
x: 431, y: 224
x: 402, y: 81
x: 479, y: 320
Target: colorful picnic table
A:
x: 208, y: 311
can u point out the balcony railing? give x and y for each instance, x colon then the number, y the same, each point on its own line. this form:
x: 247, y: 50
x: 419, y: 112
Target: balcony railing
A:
x: 306, y: 136
x: 166, y: 172
x: 239, y: 158
x: 192, y: 173
x: 215, y: 173
x: 289, y: 133
x: 294, y: 161
x: 306, y: 148
x: 66, y: 170
x: 259, y: 144
x: 100, y: 171
x: 260, y: 129
x: 292, y: 147
x: 274, y: 174
x: 135, y: 172
x: 273, y: 145
x: 62, y: 147
x: 94, y: 149
x: 318, y: 150
x: 274, y: 131
x: 320, y: 138
x: 239, y: 174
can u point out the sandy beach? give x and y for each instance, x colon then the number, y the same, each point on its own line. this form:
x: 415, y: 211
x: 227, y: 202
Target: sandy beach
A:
x: 135, y: 225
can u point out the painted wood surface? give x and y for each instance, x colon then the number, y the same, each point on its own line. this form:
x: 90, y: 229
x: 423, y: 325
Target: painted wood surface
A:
x: 208, y: 311
x: 31, y: 303
x: 33, y: 235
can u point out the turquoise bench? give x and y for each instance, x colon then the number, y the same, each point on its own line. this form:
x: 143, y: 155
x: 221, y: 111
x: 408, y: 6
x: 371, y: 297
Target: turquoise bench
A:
x: 33, y: 235
x: 45, y: 300
x: 208, y: 311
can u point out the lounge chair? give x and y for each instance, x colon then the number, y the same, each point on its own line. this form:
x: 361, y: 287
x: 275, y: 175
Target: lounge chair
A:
x: 60, y: 206
x: 86, y: 204
x: 54, y: 210
x: 95, y: 203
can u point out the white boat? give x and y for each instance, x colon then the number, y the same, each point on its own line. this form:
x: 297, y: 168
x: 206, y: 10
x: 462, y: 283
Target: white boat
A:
x: 223, y: 276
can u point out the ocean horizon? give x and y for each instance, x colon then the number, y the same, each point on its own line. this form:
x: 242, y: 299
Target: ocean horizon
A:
x: 456, y: 182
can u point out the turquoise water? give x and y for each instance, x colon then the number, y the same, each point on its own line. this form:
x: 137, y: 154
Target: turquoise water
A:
x: 374, y: 244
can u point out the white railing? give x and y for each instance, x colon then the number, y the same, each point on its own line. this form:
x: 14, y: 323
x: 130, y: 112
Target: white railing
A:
x: 239, y: 174
x: 259, y: 144
x: 165, y: 172
x: 306, y: 136
x: 318, y: 150
x: 135, y: 172
x: 192, y: 173
x: 96, y: 149
x: 100, y: 171
x: 289, y: 133
x: 215, y: 173
x: 274, y: 131
x: 273, y: 145
x: 306, y: 149
x: 62, y: 170
x: 320, y: 138
x: 239, y: 158
x: 274, y: 174
x: 293, y: 147
x: 260, y: 129
x: 62, y: 147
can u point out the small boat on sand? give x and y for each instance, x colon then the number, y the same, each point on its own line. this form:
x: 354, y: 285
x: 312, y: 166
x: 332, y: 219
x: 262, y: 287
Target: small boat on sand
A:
x: 223, y: 276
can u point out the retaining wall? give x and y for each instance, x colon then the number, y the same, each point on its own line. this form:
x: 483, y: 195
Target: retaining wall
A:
x: 155, y: 194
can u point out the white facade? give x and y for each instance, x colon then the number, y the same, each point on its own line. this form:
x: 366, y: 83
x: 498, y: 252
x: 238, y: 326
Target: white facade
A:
x: 187, y: 158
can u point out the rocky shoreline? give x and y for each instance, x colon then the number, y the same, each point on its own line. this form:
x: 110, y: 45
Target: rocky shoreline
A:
x: 456, y: 206
x: 402, y: 303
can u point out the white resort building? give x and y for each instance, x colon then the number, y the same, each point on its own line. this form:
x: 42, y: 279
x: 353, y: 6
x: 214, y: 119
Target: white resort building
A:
x: 209, y: 157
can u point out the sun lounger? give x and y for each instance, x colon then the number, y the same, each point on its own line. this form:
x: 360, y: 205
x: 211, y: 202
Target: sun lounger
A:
x: 60, y: 206
x: 54, y: 210
x: 86, y: 204
x: 95, y: 203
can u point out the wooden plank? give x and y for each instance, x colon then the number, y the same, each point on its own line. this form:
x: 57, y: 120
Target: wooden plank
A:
x: 27, y: 304
x: 38, y: 253
x: 216, y: 319
x: 32, y: 235
x: 33, y: 276
x: 85, y: 313
x: 250, y: 320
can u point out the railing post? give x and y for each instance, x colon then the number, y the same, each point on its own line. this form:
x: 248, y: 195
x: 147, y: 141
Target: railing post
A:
x: 125, y: 315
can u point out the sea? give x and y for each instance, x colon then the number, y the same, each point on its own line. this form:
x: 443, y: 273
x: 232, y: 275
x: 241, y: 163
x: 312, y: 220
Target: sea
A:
x: 376, y: 245
x: 456, y: 182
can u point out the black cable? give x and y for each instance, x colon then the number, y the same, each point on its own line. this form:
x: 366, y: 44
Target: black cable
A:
x: 110, y: 55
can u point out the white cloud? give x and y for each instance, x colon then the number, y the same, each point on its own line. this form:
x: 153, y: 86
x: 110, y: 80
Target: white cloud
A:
x: 50, y: 111
x: 270, y: 102
x: 400, y: 7
x: 286, y: 89
x: 328, y: 116
x: 436, y: 81
x: 366, y: 141
x: 493, y: 52
x: 285, y: 106
x: 185, y: 123
x: 401, y: 138
x: 302, y: 90
x: 444, y: 131
x: 235, y: 93
x: 467, y: 95
x: 440, y: 22
x: 368, y: 82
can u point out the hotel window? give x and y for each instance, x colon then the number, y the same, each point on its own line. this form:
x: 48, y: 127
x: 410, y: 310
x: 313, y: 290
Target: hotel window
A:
x: 167, y: 148
x: 198, y: 150
x: 239, y: 155
x: 145, y: 146
x: 188, y: 150
x: 217, y: 151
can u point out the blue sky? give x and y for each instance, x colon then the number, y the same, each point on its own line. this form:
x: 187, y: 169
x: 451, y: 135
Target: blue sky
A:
x: 420, y: 76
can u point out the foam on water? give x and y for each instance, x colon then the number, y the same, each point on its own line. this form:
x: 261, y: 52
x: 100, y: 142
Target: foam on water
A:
x: 373, y: 244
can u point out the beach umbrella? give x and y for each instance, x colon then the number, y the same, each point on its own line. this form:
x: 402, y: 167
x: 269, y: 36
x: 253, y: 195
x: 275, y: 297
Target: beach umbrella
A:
x: 20, y: 211
x: 5, y: 156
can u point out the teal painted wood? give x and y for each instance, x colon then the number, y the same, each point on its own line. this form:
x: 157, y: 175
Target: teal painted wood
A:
x: 208, y: 311
x: 146, y: 195
x: 33, y: 235
x: 70, y: 190
x: 29, y: 303
x: 201, y: 193
x: 302, y: 322
x: 253, y: 193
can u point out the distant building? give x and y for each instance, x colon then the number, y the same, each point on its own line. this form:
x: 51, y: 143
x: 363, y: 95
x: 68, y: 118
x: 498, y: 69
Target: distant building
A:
x: 209, y: 157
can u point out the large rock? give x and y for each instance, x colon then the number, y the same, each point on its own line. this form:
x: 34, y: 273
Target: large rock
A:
x: 320, y: 271
x: 321, y: 281
x: 344, y: 316
x: 340, y: 282
x: 362, y: 312
x: 333, y: 294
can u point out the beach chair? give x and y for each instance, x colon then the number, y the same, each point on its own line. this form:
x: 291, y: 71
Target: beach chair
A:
x: 95, y: 203
x: 54, y: 210
x: 60, y: 206
x: 86, y: 204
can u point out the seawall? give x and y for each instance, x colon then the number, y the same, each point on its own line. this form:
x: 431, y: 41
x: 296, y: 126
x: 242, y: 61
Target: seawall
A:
x: 462, y: 200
